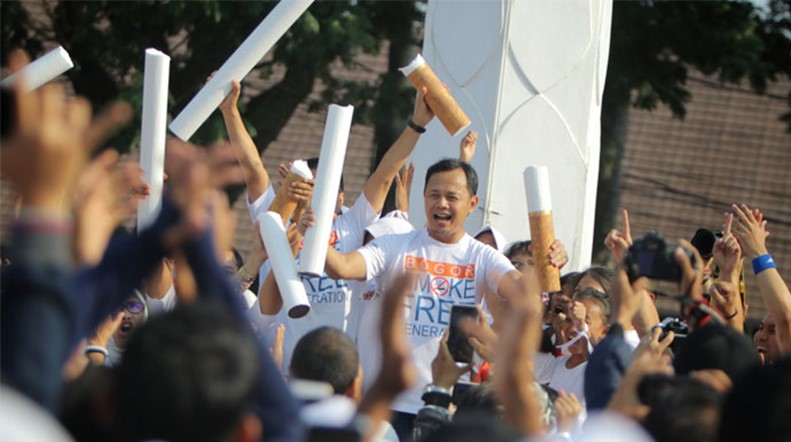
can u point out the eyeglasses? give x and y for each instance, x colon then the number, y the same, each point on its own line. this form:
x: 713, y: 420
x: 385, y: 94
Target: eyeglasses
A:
x: 134, y: 306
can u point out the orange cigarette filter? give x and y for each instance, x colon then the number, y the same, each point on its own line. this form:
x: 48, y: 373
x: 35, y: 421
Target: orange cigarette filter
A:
x: 542, y: 235
x: 283, y: 204
x: 438, y: 97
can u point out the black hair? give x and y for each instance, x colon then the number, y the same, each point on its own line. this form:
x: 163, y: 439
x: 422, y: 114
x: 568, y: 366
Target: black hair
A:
x: 83, y: 402
x: 758, y: 406
x: 571, y: 278
x: 187, y: 375
x: 689, y: 413
x: 602, y: 275
x: 449, y: 164
x: 602, y: 298
x: 518, y: 248
x: 326, y: 354
x: 479, y: 399
x: 475, y: 428
x: 313, y: 163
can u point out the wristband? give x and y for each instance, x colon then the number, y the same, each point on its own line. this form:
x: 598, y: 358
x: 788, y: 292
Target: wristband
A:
x: 416, y: 127
x: 96, y: 349
x: 763, y: 262
x: 436, y: 396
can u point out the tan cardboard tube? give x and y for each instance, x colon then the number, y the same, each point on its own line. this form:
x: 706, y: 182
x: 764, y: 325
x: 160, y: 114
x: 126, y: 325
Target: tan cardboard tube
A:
x: 542, y: 235
x: 438, y: 97
x: 542, y: 230
x: 283, y: 204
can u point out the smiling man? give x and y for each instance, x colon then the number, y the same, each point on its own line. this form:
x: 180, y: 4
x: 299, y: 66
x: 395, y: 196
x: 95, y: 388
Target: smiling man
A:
x: 452, y: 269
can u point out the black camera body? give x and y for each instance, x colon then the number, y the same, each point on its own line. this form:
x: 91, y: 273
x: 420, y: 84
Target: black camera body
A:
x: 651, y: 256
x: 679, y: 328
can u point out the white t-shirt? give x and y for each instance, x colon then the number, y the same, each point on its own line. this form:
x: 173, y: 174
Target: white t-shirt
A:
x: 448, y: 274
x: 571, y: 380
x: 329, y: 299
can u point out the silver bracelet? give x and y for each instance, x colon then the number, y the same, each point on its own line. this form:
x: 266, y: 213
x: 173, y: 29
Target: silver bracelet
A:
x: 96, y: 349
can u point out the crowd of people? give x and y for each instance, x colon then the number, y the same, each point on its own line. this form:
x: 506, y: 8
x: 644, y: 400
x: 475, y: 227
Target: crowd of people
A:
x: 171, y: 334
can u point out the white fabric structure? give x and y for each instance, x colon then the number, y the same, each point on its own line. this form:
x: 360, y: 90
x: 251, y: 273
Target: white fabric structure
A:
x: 530, y: 74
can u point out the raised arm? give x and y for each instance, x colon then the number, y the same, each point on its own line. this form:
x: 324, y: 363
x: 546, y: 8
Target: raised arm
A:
x: 467, y: 146
x: 378, y: 184
x: 751, y: 234
x: 255, y: 176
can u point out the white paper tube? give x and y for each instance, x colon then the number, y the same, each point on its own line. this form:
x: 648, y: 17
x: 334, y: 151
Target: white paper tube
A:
x: 292, y: 291
x: 238, y: 65
x: 325, y: 194
x: 152, y: 133
x: 537, y: 188
x: 413, y: 65
x: 44, y: 69
x: 300, y: 167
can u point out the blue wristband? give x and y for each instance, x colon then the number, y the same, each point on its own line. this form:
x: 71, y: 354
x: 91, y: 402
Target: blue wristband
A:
x: 763, y: 262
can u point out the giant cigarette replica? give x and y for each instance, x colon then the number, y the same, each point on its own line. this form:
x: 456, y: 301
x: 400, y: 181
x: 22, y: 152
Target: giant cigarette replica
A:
x: 542, y: 230
x: 41, y: 71
x: 238, y: 65
x: 292, y: 291
x: 325, y: 195
x: 153, y: 131
x: 283, y: 204
x: 530, y: 74
x: 448, y: 111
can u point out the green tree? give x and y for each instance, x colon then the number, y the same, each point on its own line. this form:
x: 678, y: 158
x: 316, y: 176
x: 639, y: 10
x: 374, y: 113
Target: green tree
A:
x: 653, y: 46
x: 106, y: 40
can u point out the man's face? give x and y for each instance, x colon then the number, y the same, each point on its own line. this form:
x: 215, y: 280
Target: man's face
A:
x: 448, y: 203
x: 523, y: 262
x: 597, y: 325
x: 765, y: 341
x: 133, y: 316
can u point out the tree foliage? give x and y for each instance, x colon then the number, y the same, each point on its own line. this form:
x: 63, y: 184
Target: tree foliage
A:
x: 655, y: 44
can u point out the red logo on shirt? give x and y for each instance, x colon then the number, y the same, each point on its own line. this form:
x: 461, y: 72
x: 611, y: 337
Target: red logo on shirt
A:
x: 334, y: 238
x: 437, y: 268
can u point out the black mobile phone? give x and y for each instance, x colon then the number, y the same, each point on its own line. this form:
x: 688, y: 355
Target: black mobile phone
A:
x: 460, y: 391
x: 328, y: 434
x: 458, y: 342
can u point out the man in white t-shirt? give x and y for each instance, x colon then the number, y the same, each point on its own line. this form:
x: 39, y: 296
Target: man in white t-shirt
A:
x: 330, y: 298
x: 453, y: 269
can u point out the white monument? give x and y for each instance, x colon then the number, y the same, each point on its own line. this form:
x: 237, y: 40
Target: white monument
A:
x: 530, y: 75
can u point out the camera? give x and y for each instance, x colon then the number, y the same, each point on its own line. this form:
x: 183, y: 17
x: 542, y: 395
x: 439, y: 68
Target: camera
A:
x: 704, y: 241
x: 651, y: 256
x: 679, y: 328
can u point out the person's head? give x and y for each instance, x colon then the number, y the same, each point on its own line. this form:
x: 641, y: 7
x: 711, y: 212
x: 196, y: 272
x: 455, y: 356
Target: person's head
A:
x: 449, y: 197
x: 232, y: 263
x: 189, y: 374
x: 758, y: 406
x: 474, y: 428
x: 716, y: 347
x: 599, y: 278
x: 519, y: 255
x: 597, y: 313
x: 135, y: 313
x: 313, y: 165
x: 492, y: 238
x: 326, y: 354
x: 691, y: 413
x: 765, y: 340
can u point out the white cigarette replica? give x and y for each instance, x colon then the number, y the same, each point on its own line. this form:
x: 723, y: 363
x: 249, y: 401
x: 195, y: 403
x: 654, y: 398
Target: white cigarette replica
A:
x: 238, y: 65
x: 325, y: 194
x: 292, y: 291
x: 542, y: 230
x: 153, y: 131
x: 44, y: 69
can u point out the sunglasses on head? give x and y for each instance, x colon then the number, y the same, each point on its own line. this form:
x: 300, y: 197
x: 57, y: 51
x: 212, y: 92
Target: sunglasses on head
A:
x: 134, y: 306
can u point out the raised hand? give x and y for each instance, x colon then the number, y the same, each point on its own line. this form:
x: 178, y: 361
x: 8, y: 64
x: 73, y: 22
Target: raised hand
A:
x: 750, y: 230
x: 229, y: 103
x: 619, y: 241
x: 423, y: 113
x: 467, y: 146
x: 727, y: 253
x: 403, y: 186
x: 444, y: 370
x: 52, y: 141
x: 567, y: 408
